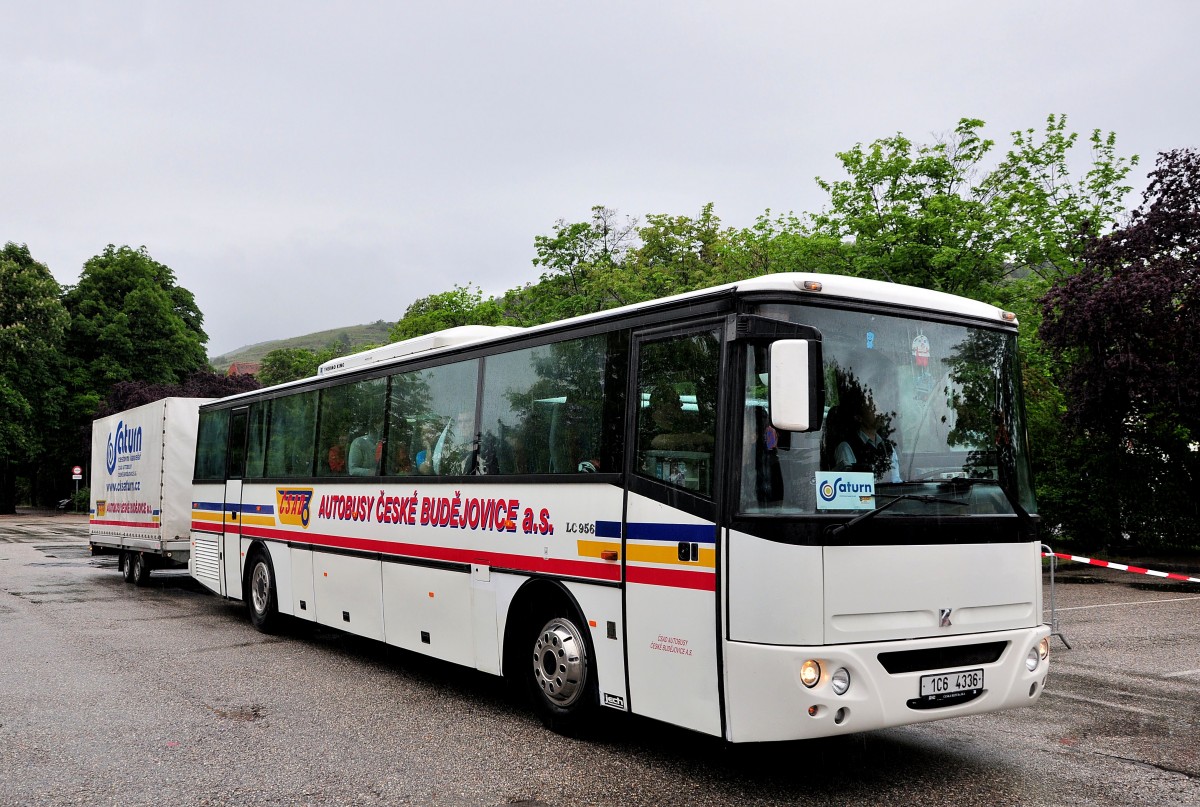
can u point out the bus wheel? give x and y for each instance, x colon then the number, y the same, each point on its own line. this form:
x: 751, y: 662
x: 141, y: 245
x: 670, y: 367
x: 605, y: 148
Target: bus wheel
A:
x: 141, y: 568
x: 261, y: 596
x: 562, y: 676
x: 125, y: 565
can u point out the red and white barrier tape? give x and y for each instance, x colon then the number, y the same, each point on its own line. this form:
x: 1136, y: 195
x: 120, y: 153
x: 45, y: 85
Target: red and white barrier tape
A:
x: 1136, y: 569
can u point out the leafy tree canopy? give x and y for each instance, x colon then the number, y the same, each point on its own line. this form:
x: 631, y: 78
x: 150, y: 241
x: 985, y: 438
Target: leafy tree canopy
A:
x: 291, y: 364
x: 1126, y: 317
x: 933, y: 216
x: 131, y: 322
x: 1121, y: 327
x: 32, y: 324
x: 196, y: 384
x: 462, y: 305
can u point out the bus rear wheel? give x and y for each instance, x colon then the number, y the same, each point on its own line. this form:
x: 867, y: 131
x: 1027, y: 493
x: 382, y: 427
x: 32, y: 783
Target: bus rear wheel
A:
x: 261, y: 593
x: 561, y: 675
x: 125, y: 565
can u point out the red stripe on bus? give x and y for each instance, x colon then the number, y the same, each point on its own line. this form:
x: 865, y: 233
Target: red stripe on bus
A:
x: 524, y: 563
x: 150, y: 525
x: 672, y: 578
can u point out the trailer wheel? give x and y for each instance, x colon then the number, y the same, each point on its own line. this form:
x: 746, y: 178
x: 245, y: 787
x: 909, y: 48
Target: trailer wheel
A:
x: 125, y: 565
x: 561, y: 675
x: 141, y: 568
x: 261, y: 594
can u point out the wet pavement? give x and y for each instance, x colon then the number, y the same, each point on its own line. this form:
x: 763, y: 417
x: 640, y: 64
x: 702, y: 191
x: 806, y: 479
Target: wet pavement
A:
x: 113, y: 694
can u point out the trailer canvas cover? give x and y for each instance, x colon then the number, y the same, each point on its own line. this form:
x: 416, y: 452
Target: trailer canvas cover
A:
x: 142, y: 464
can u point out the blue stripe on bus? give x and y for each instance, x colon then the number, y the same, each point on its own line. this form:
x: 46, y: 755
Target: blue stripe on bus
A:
x: 230, y: 507
x: 647, y: 531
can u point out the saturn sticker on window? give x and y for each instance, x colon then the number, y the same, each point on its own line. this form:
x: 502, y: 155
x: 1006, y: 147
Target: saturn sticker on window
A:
x: 845, y: 490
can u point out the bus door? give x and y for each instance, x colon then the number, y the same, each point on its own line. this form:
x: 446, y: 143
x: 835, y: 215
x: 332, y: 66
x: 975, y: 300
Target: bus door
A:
x: 670, y: 537
x: 231, y: 542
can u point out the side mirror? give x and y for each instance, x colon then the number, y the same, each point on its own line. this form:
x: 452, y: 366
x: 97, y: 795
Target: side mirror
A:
x: 797, y: 385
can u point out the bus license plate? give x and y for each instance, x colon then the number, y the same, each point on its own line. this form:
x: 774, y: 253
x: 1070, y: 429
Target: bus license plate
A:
x: 950, y: 683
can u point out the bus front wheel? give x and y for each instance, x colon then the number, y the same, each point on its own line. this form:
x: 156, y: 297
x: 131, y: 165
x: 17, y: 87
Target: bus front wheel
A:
x: 561, y: 675
x: 261, y: 594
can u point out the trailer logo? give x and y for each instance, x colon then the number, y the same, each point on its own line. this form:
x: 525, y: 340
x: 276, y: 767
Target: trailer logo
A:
x: 293, y: 505
x: 124, y: 443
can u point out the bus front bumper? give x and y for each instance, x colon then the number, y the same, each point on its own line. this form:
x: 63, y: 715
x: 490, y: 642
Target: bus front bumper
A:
x: 766, y: 699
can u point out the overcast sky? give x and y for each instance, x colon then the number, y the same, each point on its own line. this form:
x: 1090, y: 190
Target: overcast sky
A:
x: 304, y: 166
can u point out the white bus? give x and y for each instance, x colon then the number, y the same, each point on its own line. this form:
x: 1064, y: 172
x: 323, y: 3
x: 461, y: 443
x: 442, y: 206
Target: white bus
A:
x: 794, y: 506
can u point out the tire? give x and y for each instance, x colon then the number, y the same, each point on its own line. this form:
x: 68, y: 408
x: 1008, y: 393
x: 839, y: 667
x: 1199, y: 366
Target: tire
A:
x: 261, y: 594
x: 125, y: 565
x: 140, y: 575
x: 560, y: 673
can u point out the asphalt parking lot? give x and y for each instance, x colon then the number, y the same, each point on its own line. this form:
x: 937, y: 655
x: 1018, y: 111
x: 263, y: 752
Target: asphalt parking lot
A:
x: 112, y: 694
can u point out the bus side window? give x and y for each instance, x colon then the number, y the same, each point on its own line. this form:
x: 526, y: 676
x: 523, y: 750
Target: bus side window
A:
x: 256, y: 444
x: 290, y: 439
x: 211, y: 444
x: 431, y: 417
x: 543, y: 408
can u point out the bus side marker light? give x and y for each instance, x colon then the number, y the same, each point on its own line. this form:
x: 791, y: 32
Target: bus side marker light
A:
x: 810, y: 673
x: 608, y: 554
x: 431, y: 595
x: 813, y: 710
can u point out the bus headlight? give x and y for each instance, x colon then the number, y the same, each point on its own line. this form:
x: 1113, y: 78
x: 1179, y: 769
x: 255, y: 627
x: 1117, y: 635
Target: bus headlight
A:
x: 1037, y: 654
x: 840, y: 680
x: 810, y: 673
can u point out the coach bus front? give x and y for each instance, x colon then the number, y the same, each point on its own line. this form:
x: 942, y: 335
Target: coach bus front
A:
x: 882, y: 563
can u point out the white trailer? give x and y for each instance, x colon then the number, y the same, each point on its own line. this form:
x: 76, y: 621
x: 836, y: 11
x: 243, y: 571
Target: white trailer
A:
x: 142, y: 465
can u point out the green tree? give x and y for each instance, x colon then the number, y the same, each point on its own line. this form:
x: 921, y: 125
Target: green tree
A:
x: 912, y: 213
x: 129, y: 321
x: 1123, y: 324
x: 932, y: 215
x: 584, y: 270
x: 291, y: 364
x: 463, y: 305
x: 32, y: 324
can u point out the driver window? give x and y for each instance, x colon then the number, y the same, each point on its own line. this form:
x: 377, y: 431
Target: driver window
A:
x: 677, y: 410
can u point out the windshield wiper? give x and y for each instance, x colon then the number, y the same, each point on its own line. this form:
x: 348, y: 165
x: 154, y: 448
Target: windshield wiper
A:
x: 833, y: 532
x: 1021, y: 513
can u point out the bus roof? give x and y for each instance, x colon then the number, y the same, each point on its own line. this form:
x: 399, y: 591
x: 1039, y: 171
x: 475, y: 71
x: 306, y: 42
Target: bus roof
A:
x: 807, y: 283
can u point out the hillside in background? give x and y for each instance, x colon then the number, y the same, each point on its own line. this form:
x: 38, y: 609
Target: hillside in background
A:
x: 352, y: 336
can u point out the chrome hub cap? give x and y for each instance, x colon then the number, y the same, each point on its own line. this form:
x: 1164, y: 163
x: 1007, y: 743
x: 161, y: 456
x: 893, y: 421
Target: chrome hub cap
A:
x: 260, y: 587
x: 560, y: 662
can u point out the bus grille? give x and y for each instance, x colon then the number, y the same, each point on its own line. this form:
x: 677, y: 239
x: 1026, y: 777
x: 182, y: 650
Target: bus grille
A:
x: 206, y: 558
x: 941, y: 658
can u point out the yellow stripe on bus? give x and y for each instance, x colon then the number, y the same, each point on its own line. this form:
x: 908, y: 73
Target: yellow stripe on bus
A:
x: 592, y: 549
x: 260, y: 521
x: 649, y: 553
x: 201, y: 515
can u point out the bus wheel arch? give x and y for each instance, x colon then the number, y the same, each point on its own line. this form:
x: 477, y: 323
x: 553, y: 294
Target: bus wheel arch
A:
x: 549, y: 657
x: 260, y: 590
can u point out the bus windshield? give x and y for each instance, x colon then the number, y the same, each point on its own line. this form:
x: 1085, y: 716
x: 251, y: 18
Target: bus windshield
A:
x: 929, y: 411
